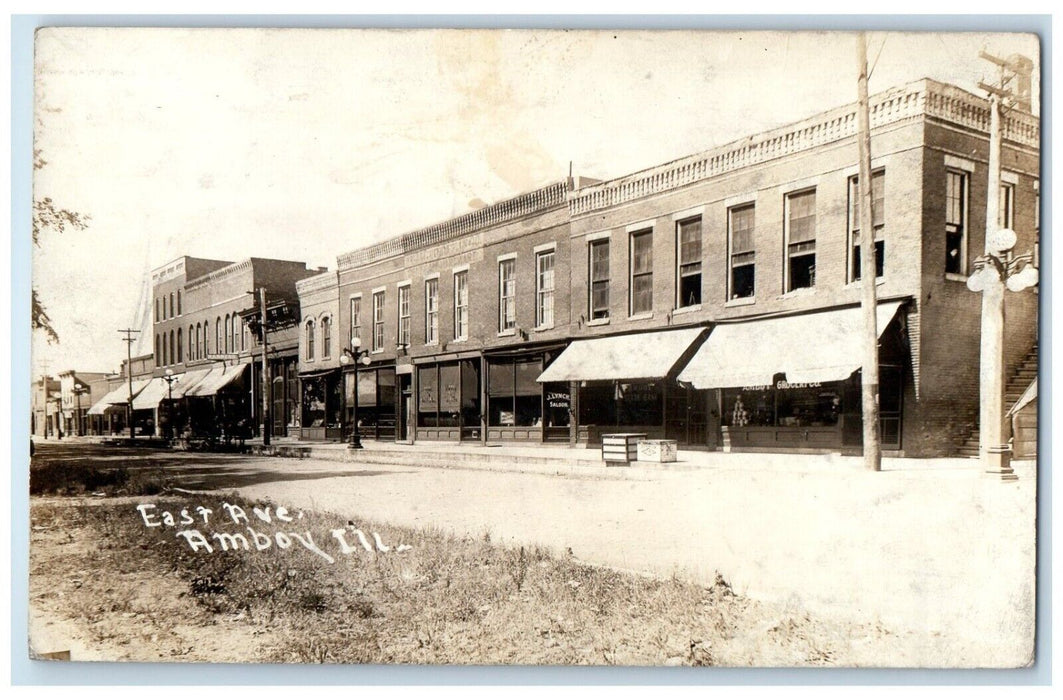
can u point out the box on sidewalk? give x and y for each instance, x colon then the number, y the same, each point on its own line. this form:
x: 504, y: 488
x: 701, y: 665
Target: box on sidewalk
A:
x: 657, y: 450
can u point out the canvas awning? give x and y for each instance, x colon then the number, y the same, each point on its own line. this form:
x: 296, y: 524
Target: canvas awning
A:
x: 118, y: 397
x: 151, y: 396
x: 622, y: 357
x: 816, y: 347
x: 216, y: 380
x: 1027, y: 397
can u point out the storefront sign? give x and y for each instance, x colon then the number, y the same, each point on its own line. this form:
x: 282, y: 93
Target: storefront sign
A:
x: 557, y: 399
x: 783, y: 384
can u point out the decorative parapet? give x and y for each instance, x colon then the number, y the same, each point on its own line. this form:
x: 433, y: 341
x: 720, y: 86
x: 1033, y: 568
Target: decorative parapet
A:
x: 920, y: 99
x: 170, y: 270
x: 501, y: 212
x: 317, y: 282
x: 219, y: 274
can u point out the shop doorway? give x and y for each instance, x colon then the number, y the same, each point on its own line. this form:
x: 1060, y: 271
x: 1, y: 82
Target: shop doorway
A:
x: 403, y: 417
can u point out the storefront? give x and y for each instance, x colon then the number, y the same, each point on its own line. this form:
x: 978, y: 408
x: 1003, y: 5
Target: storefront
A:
x: 322, y: 405
x: 626, y: 383
x: 218, y: 405
x: 377, y: 401
x: 110, y: 412
x: 449, y: 399
x: 519, y: 407
x: 793, y: 383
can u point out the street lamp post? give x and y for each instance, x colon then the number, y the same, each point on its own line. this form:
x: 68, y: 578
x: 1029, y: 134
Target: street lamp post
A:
x: 352, y: 356
x: 58, y: 417
x: 994, y: 271
x: 79, y: 389
x: 170, y: 378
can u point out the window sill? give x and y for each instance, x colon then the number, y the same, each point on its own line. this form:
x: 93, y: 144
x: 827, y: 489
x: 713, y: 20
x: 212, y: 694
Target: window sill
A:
x: 640, y: 317
x: 741, y: 301
x: 540, y: 329
x: 462, y: 339
x: 856, y: 284
x: 955, y: 277
x: 686, y: 310
x: 432, y: 344
x: 598, y: 322
x: 506, y: 333
x: 377, y: 352
x: 799, y: 292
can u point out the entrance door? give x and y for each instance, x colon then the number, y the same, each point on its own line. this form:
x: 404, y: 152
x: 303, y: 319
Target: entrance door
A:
x: 405, y: 399
x: 279, y: 407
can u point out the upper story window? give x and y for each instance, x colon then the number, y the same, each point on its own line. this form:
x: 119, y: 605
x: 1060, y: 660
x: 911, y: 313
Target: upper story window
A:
x: 173, y: 348
x: 309, y: 344
x: 956, y: 222
x: 178, y: 302
x: 219, y: 344
x: 598, y: 255
x: 742, y: 277
x: 180, y: 349
x: 1006, y: 212
x: 641, y: 272
x: 688, y: 262
x: 158, y: 356
x: 356, y: 317
x: 404, y: 315
x: 431, y: 311
x: 800, y: 268
x: 158, y: 316
x: 171, y: 305
x: 326, y: 337
x: 461, y: 305
x: 544, y: 289
x: 378, y: 321
x: 228, y: 333
x: 192, y: 344
x: 507, y: 295
x: 878, y: 223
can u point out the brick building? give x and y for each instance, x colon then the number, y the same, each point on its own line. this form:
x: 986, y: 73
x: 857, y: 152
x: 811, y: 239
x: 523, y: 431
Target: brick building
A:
x: 109, y: 415
x: 713, y: 299
x: 44, y: 407
x: 207, y: 358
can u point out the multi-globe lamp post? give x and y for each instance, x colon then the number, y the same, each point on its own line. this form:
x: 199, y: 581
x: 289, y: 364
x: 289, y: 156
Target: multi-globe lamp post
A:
x: 354, y: 355
x: 79, y: 389
x: 170, y: 378
x: 996, y: 269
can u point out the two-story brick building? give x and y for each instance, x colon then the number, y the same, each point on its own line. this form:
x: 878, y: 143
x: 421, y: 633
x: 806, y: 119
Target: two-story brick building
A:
x: 713, y: 299
x: 208, y: 361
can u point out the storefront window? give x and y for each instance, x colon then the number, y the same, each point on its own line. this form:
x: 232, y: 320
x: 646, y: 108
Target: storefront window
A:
x: 515, y: 397
x: 640, y: 403
x: 427, y: 396
x: 470, y: 398
x: 558, y: 404
x: 314, y: 402
x: 597, y: 404
x: 783, y: 404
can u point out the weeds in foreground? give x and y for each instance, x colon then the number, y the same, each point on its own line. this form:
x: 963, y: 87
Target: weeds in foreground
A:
x: 454, y: 600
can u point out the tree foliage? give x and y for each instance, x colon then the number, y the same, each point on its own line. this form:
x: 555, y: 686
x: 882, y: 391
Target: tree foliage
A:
x: 46, y: 215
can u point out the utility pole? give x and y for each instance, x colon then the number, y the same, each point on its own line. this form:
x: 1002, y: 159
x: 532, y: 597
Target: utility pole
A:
x: 129, y: 375
x: 265, y: 370
x: 994, y: 449
x: 868, y: 298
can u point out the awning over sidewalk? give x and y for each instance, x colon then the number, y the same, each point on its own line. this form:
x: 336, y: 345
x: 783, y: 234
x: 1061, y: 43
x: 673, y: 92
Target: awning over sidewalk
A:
x: 117, y: 398
x: 151, y: 396
x: 622, y: 357
x: 1027, y: 397
x: 816, y: 347
x: 216, y: 380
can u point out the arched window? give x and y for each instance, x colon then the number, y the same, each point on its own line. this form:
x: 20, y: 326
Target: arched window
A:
x: 180, y: 350
x: 309, y: 340
x: 218, y: 345
x: 157, y: 316
x: 158, y: 359
x: 199, y: 342
x: 326, y: 337
x: 172, y: 347
x: 191, y: 343
x: 178, y: 302
x: 236, y: 332
x: 171, y: 304
x: 228, y: 331
x: 164, y: 363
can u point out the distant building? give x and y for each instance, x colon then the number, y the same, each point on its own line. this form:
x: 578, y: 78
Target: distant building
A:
x: 713, y: 299
x: 203, y: 344
x: 44, y: 408
x: 78, y: 392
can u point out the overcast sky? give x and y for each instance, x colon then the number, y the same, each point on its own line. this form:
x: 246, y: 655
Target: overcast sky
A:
x: 304, y: 144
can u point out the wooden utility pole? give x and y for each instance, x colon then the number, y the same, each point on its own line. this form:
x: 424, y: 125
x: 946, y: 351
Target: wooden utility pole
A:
x: 265, y: 369
x: 129, y: 375
x: 868, y: 298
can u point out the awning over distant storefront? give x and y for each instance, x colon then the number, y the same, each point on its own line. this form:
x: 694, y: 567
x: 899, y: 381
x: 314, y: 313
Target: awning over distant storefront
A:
x: 151, y: 396
x: 622, y: 357
x: 217, y: 379
x: 117, y: 398
x: 816, y: 347
x: 1028, y: 396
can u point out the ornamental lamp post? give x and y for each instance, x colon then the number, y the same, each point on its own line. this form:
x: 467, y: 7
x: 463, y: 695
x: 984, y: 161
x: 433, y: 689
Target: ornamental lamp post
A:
x: 79, y: 389
x: 170, y: 378
x: 996, y: 269
x: 352, y: 356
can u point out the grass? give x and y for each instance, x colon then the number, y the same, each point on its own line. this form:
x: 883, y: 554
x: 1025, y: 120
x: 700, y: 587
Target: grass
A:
x: 449, y: 599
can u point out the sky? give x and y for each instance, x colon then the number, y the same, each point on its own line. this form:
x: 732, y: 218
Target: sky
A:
x: 305, y: 144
